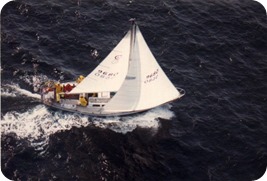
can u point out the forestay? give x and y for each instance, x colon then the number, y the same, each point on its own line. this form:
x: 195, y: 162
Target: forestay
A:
x: 110, y: 73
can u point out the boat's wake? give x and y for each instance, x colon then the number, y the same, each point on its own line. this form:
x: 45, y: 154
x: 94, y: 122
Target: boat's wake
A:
x: 126, y: 124
x: 13, y: 90
x: 38, y: 123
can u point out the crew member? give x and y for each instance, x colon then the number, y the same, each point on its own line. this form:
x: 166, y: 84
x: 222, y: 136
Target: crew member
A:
x: 80, y: 78
x: 83, y: 101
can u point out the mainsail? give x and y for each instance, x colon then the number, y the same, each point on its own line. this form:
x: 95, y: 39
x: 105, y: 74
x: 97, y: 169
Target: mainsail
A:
x: 146, y: 85
x: 110, y: 73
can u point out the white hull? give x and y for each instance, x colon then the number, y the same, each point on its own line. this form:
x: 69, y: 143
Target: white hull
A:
x: 89, y: 111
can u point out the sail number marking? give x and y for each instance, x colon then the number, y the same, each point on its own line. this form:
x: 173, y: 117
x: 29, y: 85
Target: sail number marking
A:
x: 105, y: 74
x: 116, y: 59
x: 151, y: 77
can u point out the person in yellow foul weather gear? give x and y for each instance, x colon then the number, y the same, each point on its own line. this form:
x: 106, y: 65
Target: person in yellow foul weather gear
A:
x: 58, y: 98
x: 58, y: 90
x: 80, y: 78
x: 83, y: 101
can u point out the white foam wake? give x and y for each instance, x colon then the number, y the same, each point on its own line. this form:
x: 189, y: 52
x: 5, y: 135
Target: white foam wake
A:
x: 126, y: 124
x: 34, y: 81
x: 39, y: 123
x: 7, y: 92
x: 12, y: 90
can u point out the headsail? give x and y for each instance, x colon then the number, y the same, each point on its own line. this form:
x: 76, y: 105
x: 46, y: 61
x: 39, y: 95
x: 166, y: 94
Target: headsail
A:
x: 156, y: 88
x: 146, y: 85
x: 110, y: 73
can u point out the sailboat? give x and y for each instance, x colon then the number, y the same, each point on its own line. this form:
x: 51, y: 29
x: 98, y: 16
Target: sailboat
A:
x: 129, y: 80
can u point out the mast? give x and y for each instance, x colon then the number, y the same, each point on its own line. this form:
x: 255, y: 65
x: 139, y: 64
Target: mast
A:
x: 133, y: 37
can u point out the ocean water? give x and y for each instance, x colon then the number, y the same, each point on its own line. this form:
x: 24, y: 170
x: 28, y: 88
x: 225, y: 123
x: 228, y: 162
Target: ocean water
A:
x: 215, y: 50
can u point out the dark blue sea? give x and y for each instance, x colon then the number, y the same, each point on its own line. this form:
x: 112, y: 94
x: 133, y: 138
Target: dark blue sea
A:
x: 215, y: 50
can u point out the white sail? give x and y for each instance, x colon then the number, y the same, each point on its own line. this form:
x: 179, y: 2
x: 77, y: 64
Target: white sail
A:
x: 156, y: 88
x: 128, y: 95
x: 110, y: 73
x: 146, y: 85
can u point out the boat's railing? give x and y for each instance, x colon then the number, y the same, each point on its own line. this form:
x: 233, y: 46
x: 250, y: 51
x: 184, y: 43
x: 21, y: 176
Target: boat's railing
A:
x: 181, y: 91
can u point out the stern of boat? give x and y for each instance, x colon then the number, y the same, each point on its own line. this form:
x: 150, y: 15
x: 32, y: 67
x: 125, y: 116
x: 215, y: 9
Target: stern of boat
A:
x: 47, y: 91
